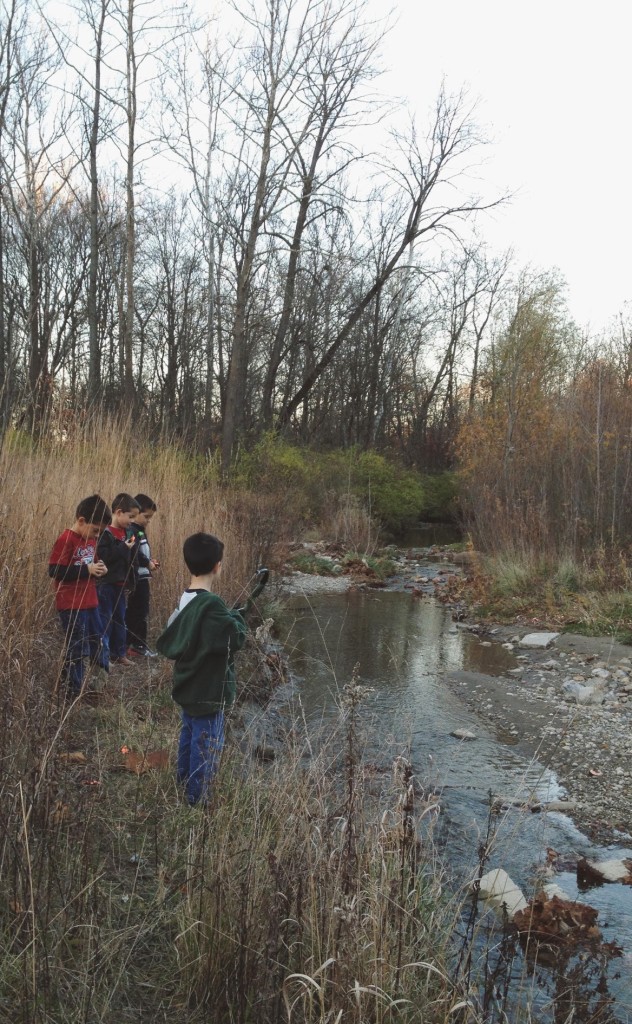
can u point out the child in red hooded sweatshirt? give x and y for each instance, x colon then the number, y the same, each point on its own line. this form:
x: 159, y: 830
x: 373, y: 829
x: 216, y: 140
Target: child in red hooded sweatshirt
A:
x: 74, y: 568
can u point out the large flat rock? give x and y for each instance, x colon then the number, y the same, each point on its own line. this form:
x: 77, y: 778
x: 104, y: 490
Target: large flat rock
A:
x: 597, y: 871
x: 538, y: 641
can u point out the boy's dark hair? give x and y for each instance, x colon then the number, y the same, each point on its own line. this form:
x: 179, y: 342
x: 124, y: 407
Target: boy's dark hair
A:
x: 145, y: 503
x: 124, y: 503
x: 94, y: 510
x: 202, y: 552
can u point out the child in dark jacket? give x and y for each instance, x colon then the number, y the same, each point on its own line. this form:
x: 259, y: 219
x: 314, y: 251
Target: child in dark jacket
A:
x: 201, y: 637
x: 143, y: 566
x: 74, y: 569
x: 115, y: 549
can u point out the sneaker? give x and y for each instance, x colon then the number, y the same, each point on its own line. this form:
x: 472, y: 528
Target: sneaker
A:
x: 140, y: 652
x: 124, y: 662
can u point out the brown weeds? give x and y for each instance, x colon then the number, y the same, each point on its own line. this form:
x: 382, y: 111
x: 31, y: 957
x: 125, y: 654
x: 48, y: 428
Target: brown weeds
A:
x: 118, y: 903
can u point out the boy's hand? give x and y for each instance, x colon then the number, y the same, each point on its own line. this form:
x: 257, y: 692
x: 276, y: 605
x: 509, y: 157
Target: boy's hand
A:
x: 129, y: 543
x: 97, y: 568
x: 154, y: 564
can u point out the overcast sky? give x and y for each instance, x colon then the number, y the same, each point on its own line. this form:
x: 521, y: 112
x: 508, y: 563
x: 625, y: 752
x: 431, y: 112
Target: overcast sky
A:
x: 554, y: 82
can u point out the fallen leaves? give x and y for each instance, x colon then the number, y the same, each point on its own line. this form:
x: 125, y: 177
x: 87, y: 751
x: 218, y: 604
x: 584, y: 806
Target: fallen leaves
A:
x: 72, y: 757
x: 59, y: 813
x: 131, y: 761
x: 551, y: 928
x: 141, y: 763
x: 561, y: 921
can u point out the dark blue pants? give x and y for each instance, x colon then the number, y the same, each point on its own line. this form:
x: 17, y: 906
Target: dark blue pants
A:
x: 112, y: 607
x: 201, y: 745
x: 83, y: 632
x: 138, y: 613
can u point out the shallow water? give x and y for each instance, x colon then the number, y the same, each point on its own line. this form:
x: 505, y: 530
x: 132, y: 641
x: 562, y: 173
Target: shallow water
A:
x: 402, y: 648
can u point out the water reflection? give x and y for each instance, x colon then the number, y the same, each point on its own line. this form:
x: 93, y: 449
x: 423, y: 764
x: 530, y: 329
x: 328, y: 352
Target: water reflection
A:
x: 403, y: 648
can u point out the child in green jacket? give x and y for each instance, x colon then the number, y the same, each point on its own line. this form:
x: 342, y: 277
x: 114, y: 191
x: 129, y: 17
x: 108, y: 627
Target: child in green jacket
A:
x: 201, y: 637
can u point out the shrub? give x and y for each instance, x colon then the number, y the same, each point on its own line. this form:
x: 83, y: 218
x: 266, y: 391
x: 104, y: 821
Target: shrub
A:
x: 315, y: 565
x: 381, y: 565
x: 354, y: 490
x: 441, y: 492
x: 394, y: 495
x: 272, y: 462
x: 351, y: 525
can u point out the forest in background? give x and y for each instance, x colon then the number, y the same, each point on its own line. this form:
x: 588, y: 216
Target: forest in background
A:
x: 221, y: 229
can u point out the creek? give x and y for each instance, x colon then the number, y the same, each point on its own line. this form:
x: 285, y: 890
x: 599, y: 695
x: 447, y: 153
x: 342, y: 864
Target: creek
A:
x: 403, y: 648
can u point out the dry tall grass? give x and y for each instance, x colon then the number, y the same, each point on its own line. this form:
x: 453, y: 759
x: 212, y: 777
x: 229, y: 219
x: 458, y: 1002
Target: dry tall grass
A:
x: 117, y: 903
x: 298, y: 899
x: 591, y: 594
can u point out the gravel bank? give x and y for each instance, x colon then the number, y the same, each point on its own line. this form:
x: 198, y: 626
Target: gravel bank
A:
x: 538, y: 708
x: 304, y: 583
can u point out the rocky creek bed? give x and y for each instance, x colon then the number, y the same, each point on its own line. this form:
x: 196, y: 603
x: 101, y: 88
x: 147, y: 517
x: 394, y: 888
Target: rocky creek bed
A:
x: 567, y: 703
x: 570, y: 706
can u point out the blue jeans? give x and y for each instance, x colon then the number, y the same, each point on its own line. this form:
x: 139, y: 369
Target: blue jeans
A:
x: 83, y: 633
x: 112, y: 607
x: 201, y: 745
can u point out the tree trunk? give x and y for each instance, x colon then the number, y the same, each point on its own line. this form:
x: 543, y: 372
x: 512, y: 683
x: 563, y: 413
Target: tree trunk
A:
x: 94, y: 352
x: 130, y: 214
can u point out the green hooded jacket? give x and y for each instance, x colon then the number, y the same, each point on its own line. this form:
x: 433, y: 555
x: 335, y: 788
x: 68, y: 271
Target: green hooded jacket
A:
x: 202, y: 639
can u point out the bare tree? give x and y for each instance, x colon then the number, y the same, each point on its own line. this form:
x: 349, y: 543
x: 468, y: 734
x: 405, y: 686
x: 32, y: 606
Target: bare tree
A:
x: 338, y: 60
x: 491, y: 275
x: 423, y: 190
x: 193, y: 86
x: 36, y: 171
x: 264, y: 101
x: 12, y: 29
x: 144, y: 26
x: 96, y: 20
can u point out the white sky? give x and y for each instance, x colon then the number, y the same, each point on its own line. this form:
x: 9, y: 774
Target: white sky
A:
x: 554, y: 79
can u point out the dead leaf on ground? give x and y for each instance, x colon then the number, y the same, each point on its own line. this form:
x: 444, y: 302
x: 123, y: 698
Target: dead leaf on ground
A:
x: 73, y: 757
x: 60, y: 813
x: 359, y: 567
x: 555, y: 920
x: 141, y: 763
